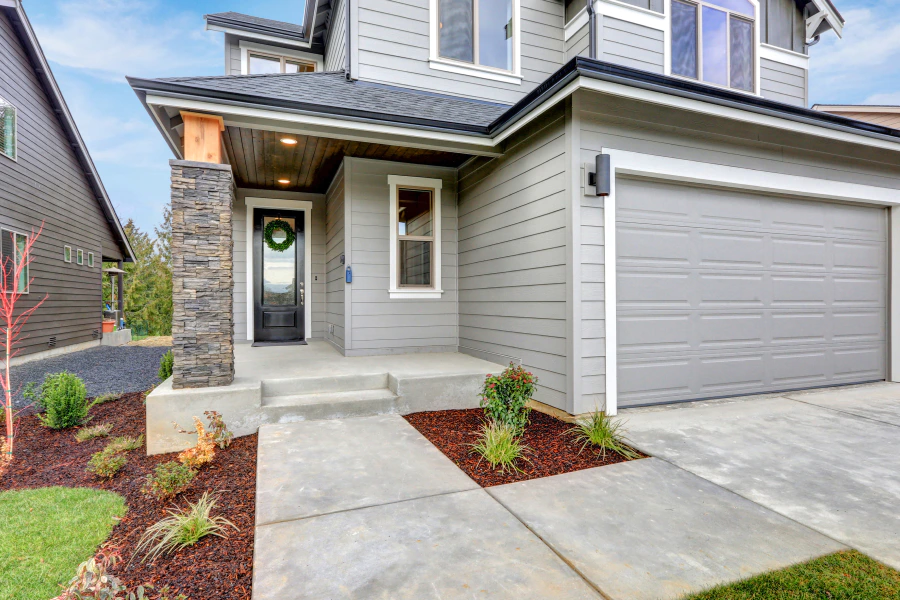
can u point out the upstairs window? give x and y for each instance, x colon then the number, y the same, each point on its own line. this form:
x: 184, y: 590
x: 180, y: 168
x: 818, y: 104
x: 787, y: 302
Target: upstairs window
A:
x: 7, y: 129
x: 267, y: 63
x: 479, y: 32
x: 714, y: 41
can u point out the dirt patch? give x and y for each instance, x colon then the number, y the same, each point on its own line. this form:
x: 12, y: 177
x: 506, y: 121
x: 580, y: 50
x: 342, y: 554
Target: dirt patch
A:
x: 213, y: 568
x: 158, y: 341
x: 552, y: 449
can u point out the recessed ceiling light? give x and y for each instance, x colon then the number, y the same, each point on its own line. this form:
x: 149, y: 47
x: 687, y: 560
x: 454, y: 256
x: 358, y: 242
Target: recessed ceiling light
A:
x: 284, y: 181
x: 288, y: 141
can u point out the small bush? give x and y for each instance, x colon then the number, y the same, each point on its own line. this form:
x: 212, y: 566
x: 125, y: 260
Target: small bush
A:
x: 203, y: 452
x: 88, y: 433
x: 220, y: 433
x: 104, y: 398
x: 62, y: 398
x: 168, y: 480
x: 499, y: 444
x: 125, y: 444
x: 93, y: 580
x: 106, y: 463
x: 604, y: 433
x: 166, y: 364
x: 505, y: 397
x: 182, y: 528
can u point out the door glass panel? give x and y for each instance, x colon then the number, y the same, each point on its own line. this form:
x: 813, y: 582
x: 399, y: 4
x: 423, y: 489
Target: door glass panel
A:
x: 264, y: 64
x: 684, y: 39
x: 279, y: 268
x: 741, y: 54
x: 414, y: 213
x: 495, y: 33
x: 715, y: 46
x: 415, y: 263
x: 456, y: 39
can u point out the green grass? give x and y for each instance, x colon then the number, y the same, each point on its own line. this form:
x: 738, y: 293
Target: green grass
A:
x: 46, y: 533
x: 842, y: 576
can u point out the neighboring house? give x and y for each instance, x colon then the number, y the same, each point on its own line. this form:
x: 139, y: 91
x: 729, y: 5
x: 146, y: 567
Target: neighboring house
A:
x: 440, y: 160
x: 886, y: 116
x: 47, y: 176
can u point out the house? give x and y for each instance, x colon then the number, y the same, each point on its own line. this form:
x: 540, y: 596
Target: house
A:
x: 630, y: 198
x: 47, y: 176
x: 887, y: 116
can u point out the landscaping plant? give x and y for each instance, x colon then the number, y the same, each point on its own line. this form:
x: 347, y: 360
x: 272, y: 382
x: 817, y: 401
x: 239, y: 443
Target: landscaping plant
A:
x: 220, y: 433
x: 88, y: 433
x: 499, y: 444
x: 94, y: 581
x: 106, y: 463
x: 166, y: 364
x: 168, y: 480
x: 63, y: 399
x: 125, y: 443
x: 104, y: 398
x: 182, y: 528
x: 505, y: 397
x: 203, y: 452
x: 604, y: 433
x: 13, y: 273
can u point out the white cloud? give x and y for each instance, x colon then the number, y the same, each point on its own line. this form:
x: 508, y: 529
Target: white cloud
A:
x: 886, y: 99
x: 113, y: 38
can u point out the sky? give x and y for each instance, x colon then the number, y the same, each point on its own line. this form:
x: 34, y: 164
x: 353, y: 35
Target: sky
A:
x: 93, y: 44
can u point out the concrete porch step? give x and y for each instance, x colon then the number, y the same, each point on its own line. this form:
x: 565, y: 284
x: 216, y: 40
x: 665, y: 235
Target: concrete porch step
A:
x: 323, y: 384
x: 333, y: 405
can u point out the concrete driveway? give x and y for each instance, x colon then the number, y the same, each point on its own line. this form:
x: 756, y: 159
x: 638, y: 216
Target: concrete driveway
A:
x: 828, y: 459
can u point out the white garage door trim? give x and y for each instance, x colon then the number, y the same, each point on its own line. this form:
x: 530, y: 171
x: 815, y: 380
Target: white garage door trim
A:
x: 623, y: 162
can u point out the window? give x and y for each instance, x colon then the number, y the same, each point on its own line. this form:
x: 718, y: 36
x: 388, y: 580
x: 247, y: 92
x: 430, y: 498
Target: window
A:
x: 415, y: 237
x: 7, y: 129
x: 79, y: 254
x: 479, y: 32
x: 67, y: 254
x: 12, y: 250
x: 90, y: 259
x: 713, y: 41
x: 265, y: 63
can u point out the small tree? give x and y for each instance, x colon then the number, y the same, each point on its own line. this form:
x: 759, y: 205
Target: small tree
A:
x: 13, y: 271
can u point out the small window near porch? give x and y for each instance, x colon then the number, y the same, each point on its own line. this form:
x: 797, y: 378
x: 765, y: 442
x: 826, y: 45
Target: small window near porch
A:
x: 90, y: 259
x: 415, y: 237
x: 79, y: 256
x: 12, y: 250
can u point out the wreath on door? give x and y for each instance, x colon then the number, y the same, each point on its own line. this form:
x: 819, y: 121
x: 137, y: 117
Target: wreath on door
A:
x: 279, y: 225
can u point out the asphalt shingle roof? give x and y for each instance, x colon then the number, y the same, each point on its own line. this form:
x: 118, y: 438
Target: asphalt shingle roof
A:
x: 333, y: 90
x: 256, y: 22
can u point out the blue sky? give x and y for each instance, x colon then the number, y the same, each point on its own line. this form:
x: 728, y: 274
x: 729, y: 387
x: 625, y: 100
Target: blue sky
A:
x: 93, y: 44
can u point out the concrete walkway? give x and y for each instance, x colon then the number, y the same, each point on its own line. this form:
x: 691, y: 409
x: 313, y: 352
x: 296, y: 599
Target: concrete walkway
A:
x: 367, y: 508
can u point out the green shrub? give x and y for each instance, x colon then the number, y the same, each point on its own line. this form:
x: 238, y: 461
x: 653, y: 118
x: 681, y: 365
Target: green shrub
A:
x: 62, y: 398
x: 499, y: 444
x: 604, y: 433
x: 505, y: 397
x: 125, y: 444
x: 168, y: 480
x: 106, y: 463
x: 182, y: 528
x: 88, y: 433
x: 166, y: 364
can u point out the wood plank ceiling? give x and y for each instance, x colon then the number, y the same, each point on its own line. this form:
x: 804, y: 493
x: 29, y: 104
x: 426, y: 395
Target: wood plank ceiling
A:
x: 259, y: 158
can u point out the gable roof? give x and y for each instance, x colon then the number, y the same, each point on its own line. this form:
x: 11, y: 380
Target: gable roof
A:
x: 310, y: 34
x: 27, y: 37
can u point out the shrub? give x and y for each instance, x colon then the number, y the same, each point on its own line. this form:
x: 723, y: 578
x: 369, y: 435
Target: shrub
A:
x: 203, y: 452
x: 125, y: 444
x: 168, y: 480
x: 182, y: 528
x: 106, y: 463
x: 220, y: 434
x: 63, y: 398
x: 88, y: 433
x: 93, y: 580
x: 604, y: 433
x: 166, y: 364
x: 505, y: 397
x: 499, y: 444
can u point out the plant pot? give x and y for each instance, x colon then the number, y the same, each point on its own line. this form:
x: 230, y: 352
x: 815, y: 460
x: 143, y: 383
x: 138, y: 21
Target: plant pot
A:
x: 109, y: 326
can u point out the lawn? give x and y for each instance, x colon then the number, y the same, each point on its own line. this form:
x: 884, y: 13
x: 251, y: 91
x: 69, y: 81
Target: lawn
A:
x: 842, y: 576
x: 46, y: 533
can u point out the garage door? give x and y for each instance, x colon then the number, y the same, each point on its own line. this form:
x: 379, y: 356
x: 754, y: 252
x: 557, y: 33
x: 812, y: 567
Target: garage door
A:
x: 724, y: 293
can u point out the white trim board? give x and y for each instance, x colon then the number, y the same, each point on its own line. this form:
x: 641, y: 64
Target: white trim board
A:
x: 785, y: 57
x: 306, y: 207
x: 685, y: 171
x: 243, y: 33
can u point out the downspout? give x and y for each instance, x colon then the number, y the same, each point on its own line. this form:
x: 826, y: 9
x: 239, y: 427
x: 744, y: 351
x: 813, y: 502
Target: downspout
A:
x: 347, y: 61
x: 592, y: 30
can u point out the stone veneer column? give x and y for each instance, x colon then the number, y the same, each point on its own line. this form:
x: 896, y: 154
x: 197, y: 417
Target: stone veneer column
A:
x: 202, y: 274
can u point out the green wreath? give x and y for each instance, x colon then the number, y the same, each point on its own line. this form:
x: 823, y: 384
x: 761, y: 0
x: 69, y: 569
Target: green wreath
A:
x: 274, y: 226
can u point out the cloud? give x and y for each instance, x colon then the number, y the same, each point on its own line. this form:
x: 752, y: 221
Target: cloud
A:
x: 112, y: 38
x: 885, y: 99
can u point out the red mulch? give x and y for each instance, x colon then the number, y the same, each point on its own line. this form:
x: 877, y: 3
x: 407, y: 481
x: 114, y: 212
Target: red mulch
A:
x: 552, y: 449
x: 214, y: 567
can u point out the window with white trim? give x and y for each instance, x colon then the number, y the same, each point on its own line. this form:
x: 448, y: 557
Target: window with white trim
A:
x: 79, y: 256
x: 90, y: 259
x: 415, y: 257
x: 478, y: 32
x: 8, y: 125
x: 67, y: 254
x: 714, y: 41
x: 12, y: 251
x: 260, y: 63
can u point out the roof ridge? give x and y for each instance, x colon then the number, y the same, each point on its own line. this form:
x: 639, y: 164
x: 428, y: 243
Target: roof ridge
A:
x: 244, y: 76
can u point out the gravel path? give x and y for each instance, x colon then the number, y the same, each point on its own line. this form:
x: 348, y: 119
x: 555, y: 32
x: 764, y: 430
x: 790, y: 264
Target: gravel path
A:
x: 104, y: 369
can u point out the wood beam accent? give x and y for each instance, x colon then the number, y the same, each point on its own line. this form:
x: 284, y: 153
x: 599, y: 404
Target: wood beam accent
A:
x: 202, y: 137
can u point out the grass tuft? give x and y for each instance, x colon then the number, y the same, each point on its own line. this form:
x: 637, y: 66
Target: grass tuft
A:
x: 499, y: 445
x: 604, y: 433
x: 88, y: 433
x: 104, y: 398
x: 125, y: 444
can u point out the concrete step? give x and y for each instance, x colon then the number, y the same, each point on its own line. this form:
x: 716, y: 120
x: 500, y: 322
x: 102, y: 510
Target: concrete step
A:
x: 328, y: 384
x: 332, y: 405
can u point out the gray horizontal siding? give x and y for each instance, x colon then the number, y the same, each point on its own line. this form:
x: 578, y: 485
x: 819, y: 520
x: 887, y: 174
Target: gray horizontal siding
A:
x: 336, y: 45
x: 579, y: 43
x: 232, y: 55
x: 631, y: 45
x: 784, y: 83
x: 781, y: 24
x: 654, y: 5
x: 334, y: 270
x: 512, y: 259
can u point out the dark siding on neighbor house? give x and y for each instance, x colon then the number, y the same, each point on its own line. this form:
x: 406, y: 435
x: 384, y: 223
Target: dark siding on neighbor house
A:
x: 47, y: 184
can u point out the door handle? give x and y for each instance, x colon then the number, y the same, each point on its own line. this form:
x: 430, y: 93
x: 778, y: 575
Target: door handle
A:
x: 302, y: 295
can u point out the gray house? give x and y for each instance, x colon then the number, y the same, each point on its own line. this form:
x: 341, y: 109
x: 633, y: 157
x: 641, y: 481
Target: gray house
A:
x: 47, y: 176
x: 436, y: 163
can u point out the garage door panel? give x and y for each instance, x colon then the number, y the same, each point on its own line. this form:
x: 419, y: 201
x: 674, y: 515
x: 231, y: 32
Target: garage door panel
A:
x: 800, y: 290
x: 793, y: 328
x: 806, y: 368
x: 651, y: 332
x: 728, y: 250
x: 859, y: 222
x: 859, y: 363
x: 858, y: 326
x: 806, y: 218
x: 730, y: 330
x: 745, y: 290
x: 799, y: 254
x: 655, y: 246
x: 657, y: 289
x: 862, y: 257
x: 723, y: 376
x: 859, y: 291
x: 654, y: 379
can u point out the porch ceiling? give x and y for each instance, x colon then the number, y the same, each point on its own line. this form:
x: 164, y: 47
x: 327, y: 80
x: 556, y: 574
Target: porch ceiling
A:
x: 259, y: 158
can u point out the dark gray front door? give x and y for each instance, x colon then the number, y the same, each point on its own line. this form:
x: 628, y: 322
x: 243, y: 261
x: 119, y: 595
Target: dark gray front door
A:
x: 278, y: 292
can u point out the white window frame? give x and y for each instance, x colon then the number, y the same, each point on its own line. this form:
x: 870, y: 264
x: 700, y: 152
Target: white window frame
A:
x: 15, y: 260
x: 248, y: 48
x: 67, y: 250
x: 441, y: 63
x: 395, y: 182
x: 90, y: 260
x: 79, y: 257
x: 15, y: 156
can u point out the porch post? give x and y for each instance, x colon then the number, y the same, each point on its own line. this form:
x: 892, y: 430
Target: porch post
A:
x: 202, y: 274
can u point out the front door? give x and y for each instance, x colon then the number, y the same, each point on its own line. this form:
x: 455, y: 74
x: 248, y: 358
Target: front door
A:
x: 278, y: 272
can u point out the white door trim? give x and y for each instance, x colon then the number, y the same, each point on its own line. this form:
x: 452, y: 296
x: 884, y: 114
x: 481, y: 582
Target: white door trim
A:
x: 304, y: 206
x: 623, y: 162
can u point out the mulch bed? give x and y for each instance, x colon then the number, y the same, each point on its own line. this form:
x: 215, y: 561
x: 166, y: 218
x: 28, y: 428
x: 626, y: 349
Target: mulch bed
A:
x: 214, y: 567
x: 552, y: 448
